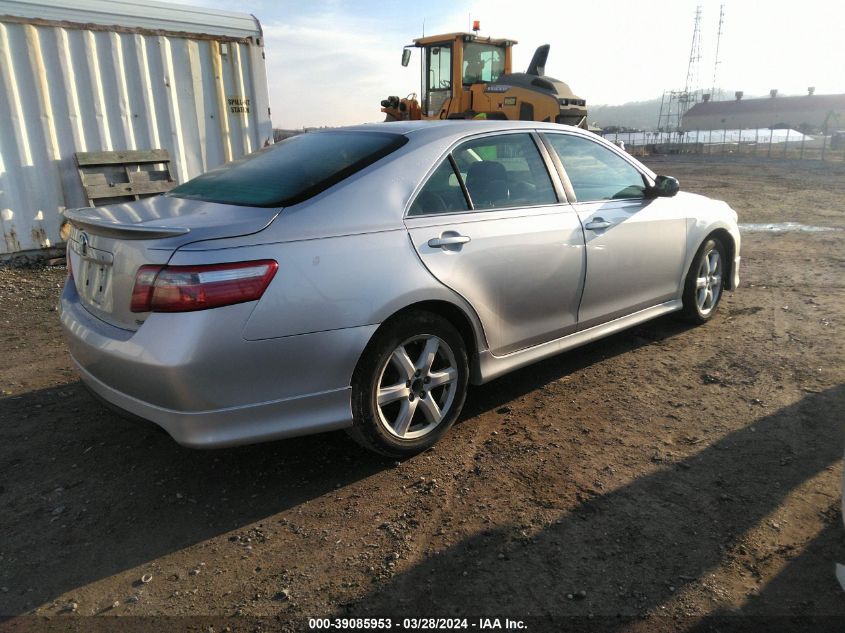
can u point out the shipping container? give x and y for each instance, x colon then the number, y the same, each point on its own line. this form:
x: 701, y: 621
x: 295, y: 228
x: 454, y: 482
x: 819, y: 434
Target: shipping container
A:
x: 103, y: 75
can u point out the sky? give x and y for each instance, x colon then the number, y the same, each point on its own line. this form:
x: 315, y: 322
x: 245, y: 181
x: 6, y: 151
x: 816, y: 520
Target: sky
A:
x: 330, y: 62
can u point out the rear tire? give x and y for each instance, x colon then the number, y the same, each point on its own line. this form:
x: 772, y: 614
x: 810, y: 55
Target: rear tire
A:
x: 704, y: 283
x: 409, y: 386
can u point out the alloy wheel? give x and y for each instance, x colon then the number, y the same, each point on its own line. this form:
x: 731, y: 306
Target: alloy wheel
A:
x: 416, y: 387
x: 708, y: 282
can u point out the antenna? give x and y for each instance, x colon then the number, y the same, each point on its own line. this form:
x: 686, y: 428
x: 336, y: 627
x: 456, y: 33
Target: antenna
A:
x: 716, y: 63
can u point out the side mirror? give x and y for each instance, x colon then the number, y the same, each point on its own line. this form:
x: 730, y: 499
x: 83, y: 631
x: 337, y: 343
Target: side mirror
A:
x: 406, y: 56
x: 665, y: 187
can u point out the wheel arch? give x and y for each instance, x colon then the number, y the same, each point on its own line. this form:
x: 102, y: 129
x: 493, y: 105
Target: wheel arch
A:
x: 727, y: 240
x: 470, y: 331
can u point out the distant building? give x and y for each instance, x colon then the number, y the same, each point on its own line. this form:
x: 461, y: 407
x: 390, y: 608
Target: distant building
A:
x: 808, y: 113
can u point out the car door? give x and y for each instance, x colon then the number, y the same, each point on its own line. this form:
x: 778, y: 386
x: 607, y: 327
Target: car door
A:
x: 488, y: 224
x: 635, y: 245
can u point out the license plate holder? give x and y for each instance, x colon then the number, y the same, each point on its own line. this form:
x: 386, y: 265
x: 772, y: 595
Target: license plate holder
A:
x: 95, y: 284
x: 93, y: 275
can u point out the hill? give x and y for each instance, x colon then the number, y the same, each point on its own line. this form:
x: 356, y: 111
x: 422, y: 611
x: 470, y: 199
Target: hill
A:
x: 635, y: 114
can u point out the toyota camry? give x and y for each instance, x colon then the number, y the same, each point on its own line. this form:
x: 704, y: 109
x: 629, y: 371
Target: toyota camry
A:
x: 363, y: 277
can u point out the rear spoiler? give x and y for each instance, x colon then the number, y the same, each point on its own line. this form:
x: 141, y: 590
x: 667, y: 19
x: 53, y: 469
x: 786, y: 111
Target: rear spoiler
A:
x: 101, y: 226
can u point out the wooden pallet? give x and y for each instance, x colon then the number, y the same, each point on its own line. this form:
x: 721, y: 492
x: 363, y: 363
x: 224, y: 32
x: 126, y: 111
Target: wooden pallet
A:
x: 124, y: 175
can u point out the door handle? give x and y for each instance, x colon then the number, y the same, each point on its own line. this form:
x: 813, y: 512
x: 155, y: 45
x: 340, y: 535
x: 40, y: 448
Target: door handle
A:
x: 449, y: 240
x: 598, y: 224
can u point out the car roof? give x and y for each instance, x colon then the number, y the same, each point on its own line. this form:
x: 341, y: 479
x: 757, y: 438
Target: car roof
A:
x: 438, y: 135
x: 428, y: 131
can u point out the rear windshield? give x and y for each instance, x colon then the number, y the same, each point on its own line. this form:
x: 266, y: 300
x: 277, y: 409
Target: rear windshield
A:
x: 291, y: 171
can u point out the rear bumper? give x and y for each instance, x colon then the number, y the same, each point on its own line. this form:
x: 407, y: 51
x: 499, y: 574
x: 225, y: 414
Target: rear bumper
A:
x: 195, y: 375
x: 303, y: 415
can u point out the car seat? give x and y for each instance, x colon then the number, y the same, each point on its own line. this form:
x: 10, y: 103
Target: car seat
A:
x: 487, y: 183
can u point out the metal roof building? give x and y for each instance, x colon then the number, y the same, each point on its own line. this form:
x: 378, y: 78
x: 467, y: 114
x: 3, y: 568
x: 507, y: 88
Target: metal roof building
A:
x: 807, y: 113
x: 108, y: 75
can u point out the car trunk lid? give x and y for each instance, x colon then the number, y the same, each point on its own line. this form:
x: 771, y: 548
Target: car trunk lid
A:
x: 107, y: 245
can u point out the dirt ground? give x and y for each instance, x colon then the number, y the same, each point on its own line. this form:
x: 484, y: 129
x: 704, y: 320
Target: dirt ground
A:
x: 667, y: 478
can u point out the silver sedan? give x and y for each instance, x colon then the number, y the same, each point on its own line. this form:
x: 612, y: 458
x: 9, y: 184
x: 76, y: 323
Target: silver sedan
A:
x: 362, y: 277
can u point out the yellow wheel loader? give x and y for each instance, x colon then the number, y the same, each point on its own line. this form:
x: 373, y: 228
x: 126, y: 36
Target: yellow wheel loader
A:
x: 465, y: 76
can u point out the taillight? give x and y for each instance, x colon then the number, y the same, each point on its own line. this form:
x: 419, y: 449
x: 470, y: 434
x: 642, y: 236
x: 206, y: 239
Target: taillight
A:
x: 186, y: 288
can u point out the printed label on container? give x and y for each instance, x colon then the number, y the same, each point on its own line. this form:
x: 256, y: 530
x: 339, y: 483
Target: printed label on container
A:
x: 238, y: 105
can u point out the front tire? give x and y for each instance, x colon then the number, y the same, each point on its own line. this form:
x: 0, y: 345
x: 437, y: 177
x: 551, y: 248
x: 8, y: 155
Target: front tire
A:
x: 409, y: 386
x: 705, y: 282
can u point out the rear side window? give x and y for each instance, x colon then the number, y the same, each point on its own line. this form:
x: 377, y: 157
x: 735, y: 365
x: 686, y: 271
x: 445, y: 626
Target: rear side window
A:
x: 441, y: 194
x: 596, y: 173
x: 498, y: 172
x: 291, y: 171
x: 504, y: 171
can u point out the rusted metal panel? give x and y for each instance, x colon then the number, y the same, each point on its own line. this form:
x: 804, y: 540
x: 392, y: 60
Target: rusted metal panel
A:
x: 101, y: 76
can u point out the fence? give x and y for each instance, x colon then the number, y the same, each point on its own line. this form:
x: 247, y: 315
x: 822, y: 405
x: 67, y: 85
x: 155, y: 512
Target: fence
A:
x: 762, y: 142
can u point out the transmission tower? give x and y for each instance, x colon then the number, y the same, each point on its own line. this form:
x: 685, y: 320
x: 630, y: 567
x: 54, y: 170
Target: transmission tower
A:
x: 675, y: 103
x: 694, y: 55
x: 717, y: 95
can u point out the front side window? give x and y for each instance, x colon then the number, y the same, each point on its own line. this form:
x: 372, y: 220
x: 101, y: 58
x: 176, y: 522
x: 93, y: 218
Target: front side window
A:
x: 483, y: 63
x: 291, y: 171
x: 504, y: 171
x: 596, y: 173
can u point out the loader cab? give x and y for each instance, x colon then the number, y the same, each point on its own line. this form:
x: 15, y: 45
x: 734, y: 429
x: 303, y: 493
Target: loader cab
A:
x: 452, y: 64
